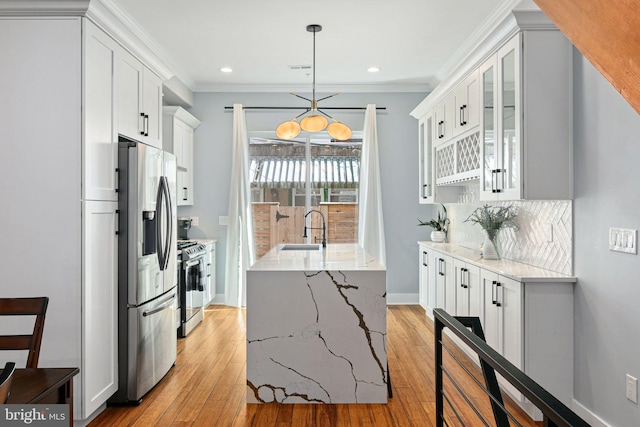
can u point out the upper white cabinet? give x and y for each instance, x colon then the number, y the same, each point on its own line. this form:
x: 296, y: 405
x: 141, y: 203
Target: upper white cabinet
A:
x: 177, y: 136
x: 466, y: 97
x: 526, y: 123
x: 504, y: 117
x: 139, y: 101
x: 99, y: 154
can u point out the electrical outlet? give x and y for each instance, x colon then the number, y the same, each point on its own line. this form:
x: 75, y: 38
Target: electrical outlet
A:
x: 195, y: 221
x: 223, y: 220
x: 623, y: 240
x: 632, y: 388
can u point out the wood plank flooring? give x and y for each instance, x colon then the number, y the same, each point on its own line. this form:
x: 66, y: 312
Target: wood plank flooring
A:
x: 207, y: 385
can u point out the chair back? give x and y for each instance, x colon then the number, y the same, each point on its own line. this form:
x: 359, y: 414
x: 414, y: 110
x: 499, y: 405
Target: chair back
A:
x: 5, y: 381
x: 25, y: 307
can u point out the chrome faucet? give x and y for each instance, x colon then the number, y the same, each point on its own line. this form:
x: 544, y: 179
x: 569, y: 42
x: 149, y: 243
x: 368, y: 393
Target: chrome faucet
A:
x: 324, y: 227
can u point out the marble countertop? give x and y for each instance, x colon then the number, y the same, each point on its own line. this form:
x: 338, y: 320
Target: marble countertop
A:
x: 339, y: 256
x: 512, y: 269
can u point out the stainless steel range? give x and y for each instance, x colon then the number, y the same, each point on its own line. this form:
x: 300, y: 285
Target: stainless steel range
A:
x: 191, y: 285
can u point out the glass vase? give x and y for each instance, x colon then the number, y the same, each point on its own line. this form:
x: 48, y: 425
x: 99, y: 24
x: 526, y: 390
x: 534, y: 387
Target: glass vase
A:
x: 490, y: 244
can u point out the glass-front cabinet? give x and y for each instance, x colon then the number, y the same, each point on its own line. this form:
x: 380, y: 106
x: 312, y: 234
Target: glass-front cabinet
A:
x: 425, y: 156
x: 500, y: 79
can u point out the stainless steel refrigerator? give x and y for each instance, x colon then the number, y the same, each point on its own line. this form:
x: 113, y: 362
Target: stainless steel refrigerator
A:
x: 147, y: 277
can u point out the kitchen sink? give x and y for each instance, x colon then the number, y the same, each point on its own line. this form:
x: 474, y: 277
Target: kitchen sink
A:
x: 300, y: 247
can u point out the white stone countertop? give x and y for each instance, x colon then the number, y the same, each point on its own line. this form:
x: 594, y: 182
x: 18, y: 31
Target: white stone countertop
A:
x: 338, y: 256
x: 512, y: 269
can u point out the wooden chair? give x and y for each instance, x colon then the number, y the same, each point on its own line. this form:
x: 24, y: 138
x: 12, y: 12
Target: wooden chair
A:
x: 5, y: 381
x: 25, y: 307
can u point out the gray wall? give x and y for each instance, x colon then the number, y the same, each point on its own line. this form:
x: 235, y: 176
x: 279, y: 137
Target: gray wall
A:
x: 607, y: 296
x: 397, y: 132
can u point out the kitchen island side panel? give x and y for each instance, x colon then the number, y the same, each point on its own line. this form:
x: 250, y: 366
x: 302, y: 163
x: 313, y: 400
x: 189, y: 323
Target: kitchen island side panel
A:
x: 316, y: 336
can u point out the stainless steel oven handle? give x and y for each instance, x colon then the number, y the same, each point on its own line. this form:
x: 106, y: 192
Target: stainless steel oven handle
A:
x: 192, y: 262
x: 166, y: 304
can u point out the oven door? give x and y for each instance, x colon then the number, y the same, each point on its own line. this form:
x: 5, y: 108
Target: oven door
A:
x: 193, y: 291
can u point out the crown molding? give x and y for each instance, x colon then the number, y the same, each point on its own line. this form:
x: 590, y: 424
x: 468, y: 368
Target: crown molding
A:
x: 181, y: 114
x: 341, y: 88
x: 43, y: 7
x: 111, y: 18
x: 495, y: 32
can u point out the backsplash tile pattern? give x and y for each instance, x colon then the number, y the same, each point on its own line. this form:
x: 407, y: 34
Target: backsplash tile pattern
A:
x: 527, y: 245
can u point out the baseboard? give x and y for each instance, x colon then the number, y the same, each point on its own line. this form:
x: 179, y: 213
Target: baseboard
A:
x: 402, y: 299
x: 588, y: 415
x: 217, y: 300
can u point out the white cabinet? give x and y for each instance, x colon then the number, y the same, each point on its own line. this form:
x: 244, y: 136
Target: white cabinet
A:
x: 139, y: 101
x: 443, y: 116
x: 526, y: 124
x: 99, y: 364
x: 177, y: 136
x: 468, y: 290
x: 427, y: 289
x: 99, y: 154
x: 210, y: 261
x: 466, y: 107
x: 425, y: 153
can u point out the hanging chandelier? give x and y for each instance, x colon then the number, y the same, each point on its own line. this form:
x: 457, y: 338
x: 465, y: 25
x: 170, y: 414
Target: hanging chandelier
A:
x: 314, y: 122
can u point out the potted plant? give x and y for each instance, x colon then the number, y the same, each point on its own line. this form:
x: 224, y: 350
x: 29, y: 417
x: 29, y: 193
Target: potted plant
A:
x: 439, y: 225
x: 492, y: 219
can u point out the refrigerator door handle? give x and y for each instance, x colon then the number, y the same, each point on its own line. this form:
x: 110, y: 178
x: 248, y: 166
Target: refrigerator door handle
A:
x: 159, y: 242
x: 169, y: 229
x: 165, y: 304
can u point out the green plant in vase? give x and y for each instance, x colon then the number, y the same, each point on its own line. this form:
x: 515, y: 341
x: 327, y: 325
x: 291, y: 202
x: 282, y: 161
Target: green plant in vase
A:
x: 492, y: 219
x: 439, y: 225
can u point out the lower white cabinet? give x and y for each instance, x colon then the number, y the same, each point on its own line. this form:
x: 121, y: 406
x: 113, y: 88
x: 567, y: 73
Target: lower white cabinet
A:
x: 502, y: 323
x: 99, y: 364
x: 468, y: 289
x: 528, y: 321
x: 210, y: 261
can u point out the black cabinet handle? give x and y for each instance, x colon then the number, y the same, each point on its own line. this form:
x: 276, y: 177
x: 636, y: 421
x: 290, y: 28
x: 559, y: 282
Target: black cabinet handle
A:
x: 461, y: 116
x: 146, y: 125
x: 142, y: 131
x: 424, y: 258
x: 497, y: 302
x: 186, y: 194
x: 117, y: 221
x: 464, y: 121
x: 493, y: 292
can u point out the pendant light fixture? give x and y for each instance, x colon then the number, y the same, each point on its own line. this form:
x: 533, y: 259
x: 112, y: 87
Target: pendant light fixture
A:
x: 317, y: 121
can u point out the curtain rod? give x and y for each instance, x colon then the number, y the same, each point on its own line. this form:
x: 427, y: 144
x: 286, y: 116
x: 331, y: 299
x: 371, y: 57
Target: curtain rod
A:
x: 305, y: 108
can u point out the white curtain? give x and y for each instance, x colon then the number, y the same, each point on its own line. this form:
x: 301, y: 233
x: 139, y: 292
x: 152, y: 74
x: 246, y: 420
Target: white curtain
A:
x: 370, y: 221
x: 240, y: 247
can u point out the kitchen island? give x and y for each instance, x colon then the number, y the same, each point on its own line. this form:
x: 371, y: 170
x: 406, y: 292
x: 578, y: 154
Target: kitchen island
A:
x: 317, y: 327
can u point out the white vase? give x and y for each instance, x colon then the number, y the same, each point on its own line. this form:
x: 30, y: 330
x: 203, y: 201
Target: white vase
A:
x: 438, y: 236
x: 489, y: 250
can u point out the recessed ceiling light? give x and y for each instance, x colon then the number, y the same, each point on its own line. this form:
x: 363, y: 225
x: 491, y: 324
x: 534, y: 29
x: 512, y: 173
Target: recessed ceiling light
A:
x: 226, y: 69
x: 373, y: 69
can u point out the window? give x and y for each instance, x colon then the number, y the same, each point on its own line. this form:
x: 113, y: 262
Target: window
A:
x: 289, y: 178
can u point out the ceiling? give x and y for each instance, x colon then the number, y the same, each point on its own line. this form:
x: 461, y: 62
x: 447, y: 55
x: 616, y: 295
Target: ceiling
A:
x: 411, y: 41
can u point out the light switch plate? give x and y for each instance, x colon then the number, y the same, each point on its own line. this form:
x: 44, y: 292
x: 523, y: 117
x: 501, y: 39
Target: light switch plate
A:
x: 623, y: 240
x: 195, y: 221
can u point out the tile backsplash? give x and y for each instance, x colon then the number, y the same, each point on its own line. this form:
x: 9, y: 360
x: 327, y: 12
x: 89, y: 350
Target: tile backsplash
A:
x: 529, y: 244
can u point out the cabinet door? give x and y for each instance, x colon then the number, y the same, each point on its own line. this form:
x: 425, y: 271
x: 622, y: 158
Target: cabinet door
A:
x: 443, y: 119
x: 474, y: 290
x: 487, y: 74
x: 152, y: 108
x: 440, y: 281
x: 99, y: 154
x: 129, y: 88
x: 492, y: 314
x: 462, y: 292
x: 509, y: 121
x: 177, y: 138
x: 187, y: 153
x: 423, y: 291
x: 509, y: 294
x: 466, y: 103
x: 425, y: 155
x: 449, y: 284
x: 99, y: 304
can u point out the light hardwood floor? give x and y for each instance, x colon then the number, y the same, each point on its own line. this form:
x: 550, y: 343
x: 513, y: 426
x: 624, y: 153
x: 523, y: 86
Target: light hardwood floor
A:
x: 207, y: 385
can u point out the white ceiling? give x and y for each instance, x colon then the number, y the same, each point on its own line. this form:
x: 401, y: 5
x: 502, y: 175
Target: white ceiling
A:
x: 409, y: 40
